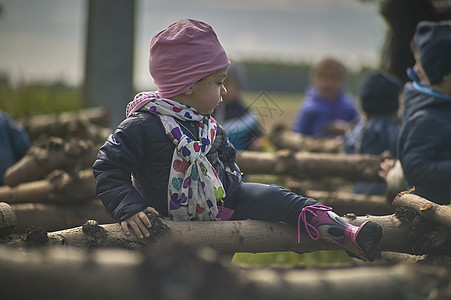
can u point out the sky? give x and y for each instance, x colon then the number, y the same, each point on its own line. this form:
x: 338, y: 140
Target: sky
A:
x: 44, y: 40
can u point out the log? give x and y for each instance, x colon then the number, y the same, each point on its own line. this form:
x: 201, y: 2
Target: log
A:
x: 310, y: 165
x: 440, y: 214
x: 58, y: 187
x: 7, y: 219
x: 284, y: 138
x: 52, y: 217
x: 395, y: 257
x: 359, y: 204
x: 70, y: 156
x: 224, y: 236
x: 88, y: 123
x: 365, y: 282
x: 182, y: 271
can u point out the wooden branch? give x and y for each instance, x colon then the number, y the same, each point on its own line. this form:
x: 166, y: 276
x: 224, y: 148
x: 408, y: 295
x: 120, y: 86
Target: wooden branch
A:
x: 310, y: 165
x: 59, y: 187
x: 395, y: 257
x: 67, y: 124
x: 284, y: 138
x: 359, y: 204
x: 440, y: 214
x: 225, y: 236
x: 182, y: 271
x: 365, y: 282
x: 56, y: 154
x: 52, y: 217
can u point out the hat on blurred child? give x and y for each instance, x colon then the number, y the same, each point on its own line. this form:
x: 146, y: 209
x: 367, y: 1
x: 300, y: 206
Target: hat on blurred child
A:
x: 433, y: 41
x: 379, y: 93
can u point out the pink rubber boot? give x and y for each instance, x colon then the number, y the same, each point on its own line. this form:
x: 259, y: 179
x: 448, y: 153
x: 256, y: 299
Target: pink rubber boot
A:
x: 321, y: 222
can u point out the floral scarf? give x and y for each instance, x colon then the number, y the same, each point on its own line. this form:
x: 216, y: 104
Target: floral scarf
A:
x: 194, y: 186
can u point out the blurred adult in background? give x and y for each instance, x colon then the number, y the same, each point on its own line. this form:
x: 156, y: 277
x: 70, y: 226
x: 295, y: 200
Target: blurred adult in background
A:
x: 378, y: 131
x: 14, y: 143
x: 327, y: 111
x: 239, y: 121
x: 402, y: 16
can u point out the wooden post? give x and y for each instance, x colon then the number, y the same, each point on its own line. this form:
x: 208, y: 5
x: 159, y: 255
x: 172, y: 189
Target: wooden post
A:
x: 109, y: 56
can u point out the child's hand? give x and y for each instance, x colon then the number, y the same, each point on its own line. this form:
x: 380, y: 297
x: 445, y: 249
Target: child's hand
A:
x: 139, y: 223
x: 385, y: 167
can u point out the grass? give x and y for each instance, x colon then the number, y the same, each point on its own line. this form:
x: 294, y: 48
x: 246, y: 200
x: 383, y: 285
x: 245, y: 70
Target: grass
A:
x: 39, y: 99
x: 274, y: 108
x: 290, y: 258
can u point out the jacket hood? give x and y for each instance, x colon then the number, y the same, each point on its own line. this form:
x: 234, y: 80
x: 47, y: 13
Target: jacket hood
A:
x: 414, y: 100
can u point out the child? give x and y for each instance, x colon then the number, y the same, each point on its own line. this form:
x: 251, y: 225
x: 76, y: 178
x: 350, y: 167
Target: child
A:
x: 14, y: 143
x: 424, y: 145
x: 326, y: 111
x: 379, y: 97
x: 240, y: 122
x: 182, y: 163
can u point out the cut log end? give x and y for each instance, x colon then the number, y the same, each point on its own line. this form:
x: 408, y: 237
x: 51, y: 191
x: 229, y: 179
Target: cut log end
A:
x: 7, y: 219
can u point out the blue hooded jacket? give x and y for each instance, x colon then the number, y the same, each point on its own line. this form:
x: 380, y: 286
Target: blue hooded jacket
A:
x: 424, y: 144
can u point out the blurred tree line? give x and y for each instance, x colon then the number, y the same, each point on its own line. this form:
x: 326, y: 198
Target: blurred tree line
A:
x: 31, y: 98
x: 278, y: 76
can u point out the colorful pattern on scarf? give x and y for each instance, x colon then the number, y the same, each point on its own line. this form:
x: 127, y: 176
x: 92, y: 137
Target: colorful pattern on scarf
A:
x: 194, y: 186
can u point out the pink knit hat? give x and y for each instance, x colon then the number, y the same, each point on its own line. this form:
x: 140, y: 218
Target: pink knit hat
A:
x: 182, y: 54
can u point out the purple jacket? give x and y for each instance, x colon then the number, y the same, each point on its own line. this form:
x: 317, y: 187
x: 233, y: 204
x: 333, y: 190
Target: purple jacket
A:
x: 317, y: 112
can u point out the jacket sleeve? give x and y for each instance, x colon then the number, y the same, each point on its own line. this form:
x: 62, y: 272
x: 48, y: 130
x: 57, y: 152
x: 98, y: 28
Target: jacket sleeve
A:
x: 420, y: 153
x: 303, y: 122
x: 121, y: 153
x: 19, y: 138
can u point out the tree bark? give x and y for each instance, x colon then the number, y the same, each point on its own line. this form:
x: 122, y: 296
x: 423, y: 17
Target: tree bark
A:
x: 70, y: 156
x: 310, y: 165
x: 440, y: 214
x: 180, y: 271
x: 283, y: 138
x: 58, y: 187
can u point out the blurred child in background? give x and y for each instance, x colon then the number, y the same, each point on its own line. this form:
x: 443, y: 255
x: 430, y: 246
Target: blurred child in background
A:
x: 327, y: 111
x: 240, y: 122
x: 378, y: 131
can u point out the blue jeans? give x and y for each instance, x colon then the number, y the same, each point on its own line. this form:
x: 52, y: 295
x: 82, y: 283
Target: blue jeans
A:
x: 268, y: 202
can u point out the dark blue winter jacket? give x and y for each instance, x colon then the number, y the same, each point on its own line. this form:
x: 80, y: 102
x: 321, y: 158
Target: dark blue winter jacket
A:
x: 376, y: 135
x: 139, y: 148
x: 14, y: 143
x: 424, y: 144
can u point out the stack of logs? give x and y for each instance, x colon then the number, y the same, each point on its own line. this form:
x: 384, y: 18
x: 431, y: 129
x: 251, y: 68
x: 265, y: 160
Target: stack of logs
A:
x: 49, y: 204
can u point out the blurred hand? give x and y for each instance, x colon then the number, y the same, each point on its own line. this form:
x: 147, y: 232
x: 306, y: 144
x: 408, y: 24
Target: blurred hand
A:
x: 139, y: 223
x: 337, y: 127
x: 385, y: 167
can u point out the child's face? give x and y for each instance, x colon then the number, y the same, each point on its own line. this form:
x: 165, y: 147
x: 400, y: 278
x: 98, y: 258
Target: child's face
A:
x: 328, y: 82
x: 233, y: 90
x: 207, y: 93
x: 418, y: 68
